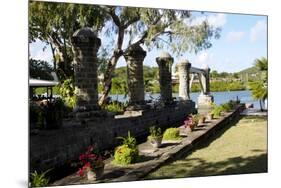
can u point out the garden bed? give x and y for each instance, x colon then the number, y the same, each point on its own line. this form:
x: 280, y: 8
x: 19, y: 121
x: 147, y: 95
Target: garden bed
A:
x: 151, y: 158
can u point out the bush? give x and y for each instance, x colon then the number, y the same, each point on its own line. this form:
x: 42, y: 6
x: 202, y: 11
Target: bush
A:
x: 226, y: 107
x: 217, y: 110
x: 115, y: 107
x: 39, y: 180
x: 172, y: 134
x: 127, y: 153
x: 124, y: 155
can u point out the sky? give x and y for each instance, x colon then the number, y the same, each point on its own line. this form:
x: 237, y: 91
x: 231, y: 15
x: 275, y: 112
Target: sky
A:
x: 243, y: 39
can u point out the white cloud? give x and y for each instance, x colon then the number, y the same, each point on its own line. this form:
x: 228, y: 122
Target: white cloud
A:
x: 234, y: 36
x: 204, y: 59
x: 217, y: 20
x: 259, y: 31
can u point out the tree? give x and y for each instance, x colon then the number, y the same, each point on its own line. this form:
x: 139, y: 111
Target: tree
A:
x: 259, y: 87
x: 154, y: 28
x: 55, y: 23
x: 40, y: 69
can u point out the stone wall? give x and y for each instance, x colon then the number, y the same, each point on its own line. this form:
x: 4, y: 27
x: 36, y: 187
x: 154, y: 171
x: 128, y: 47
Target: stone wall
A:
x: 53, y: 148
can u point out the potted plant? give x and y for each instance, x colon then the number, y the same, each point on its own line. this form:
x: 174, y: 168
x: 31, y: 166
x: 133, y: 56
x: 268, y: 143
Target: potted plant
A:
x: 155, y: 137
x: 127, y: 153
x: 201, y: 119
x: 92, y: 164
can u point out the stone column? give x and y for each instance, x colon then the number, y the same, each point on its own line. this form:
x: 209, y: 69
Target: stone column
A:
x: 165, y: 62
x: 134, y: 58
x: 205, y: 99
x: 207, y: 79
x: 85, y: 47
x: 183, y: 72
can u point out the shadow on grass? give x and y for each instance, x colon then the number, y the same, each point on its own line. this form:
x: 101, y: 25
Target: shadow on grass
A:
x: 196, y: 167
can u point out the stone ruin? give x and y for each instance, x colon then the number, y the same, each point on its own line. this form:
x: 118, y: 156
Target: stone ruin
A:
x: 91, y: 125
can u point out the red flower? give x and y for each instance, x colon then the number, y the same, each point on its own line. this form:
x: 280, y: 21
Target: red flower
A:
x: 80, y: 172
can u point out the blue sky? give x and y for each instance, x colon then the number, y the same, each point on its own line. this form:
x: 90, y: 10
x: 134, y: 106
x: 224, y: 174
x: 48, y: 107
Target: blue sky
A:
x: 243, y: 39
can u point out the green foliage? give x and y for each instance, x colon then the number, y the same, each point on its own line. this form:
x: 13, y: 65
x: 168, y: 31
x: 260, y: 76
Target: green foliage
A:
x: 226, y: 107
x: 35, y: 116
x: 129, y: 141
x: 227, y: 86
x: 155, y: 132
x: 42, y: 90
x: 67, y: 93
x: 259, y: 87
x: 54, y: 23
x: 119, y: 81
x: 39, y: 180
x: 124, y: 155
x: 127, y: 153
x: 217, y: 110
x: 172, y: 134
x: 119, y: 86
x: 115, y: 107
x: 40, y: 69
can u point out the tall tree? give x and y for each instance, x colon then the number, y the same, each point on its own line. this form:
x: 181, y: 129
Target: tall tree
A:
x: 259, y: 87
x: 54, y: 24
x: 154, y: 28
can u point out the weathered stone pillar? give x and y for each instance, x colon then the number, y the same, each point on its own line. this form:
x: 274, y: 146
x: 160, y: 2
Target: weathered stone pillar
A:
x: 85, y: 47
x: 208, y: 79
x: 183, y: 72
x: 205, y: 81
x: 134, y: 58
x: 205, y: 99
x: 165, y: 62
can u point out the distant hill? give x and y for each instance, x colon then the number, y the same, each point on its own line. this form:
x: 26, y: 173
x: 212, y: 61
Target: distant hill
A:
x: 249, y: 74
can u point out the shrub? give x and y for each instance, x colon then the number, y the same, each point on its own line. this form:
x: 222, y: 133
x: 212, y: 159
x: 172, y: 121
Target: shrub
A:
x: 67, y: 91
x: 172, y: 134
x: 226, y: 107
x: 127, y: 153
x: 39, y: 180
x: 124, y: 155
x: 217, y: 110
x: 130, y: 141
x: 115, y: 107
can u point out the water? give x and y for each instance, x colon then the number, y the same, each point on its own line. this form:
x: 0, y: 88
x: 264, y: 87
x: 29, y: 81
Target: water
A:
x: 219, y: 97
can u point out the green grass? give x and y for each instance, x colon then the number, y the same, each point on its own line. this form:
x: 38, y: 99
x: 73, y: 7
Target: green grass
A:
x: 240, y: 149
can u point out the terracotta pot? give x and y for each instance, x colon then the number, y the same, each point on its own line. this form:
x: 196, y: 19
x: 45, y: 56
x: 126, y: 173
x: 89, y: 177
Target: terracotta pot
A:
x: 95, y: 174
x: 156, y: 141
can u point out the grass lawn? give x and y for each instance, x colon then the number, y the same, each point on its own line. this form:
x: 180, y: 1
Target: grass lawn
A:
x: 240, y: 149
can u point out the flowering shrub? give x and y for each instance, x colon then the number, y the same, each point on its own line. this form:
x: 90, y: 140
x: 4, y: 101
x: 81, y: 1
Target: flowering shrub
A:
x: 90, y: 160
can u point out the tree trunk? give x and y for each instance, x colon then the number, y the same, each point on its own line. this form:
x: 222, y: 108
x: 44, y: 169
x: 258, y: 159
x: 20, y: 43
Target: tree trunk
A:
x: 54, y: 57
x: 261, y: 105
x: 108, y: 76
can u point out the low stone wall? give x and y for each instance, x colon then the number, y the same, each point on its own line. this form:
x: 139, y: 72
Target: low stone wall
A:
x: 53, y: 148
